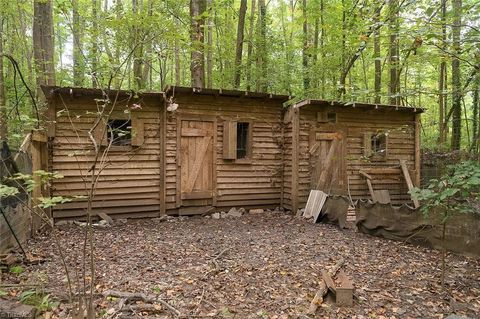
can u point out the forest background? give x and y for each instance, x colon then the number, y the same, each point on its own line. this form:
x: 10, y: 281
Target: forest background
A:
x: 399, y: 52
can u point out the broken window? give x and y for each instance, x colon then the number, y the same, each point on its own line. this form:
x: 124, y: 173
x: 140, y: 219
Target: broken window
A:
x: 120, y: 132
x: 375, y: 145
x: 379, y: 144
x: 326, y: 117
x: 242, y: 139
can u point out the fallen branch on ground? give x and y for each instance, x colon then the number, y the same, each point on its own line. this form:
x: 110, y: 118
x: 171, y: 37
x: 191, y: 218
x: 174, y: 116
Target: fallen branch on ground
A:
x: 322, y: 291
x: 129, y: 296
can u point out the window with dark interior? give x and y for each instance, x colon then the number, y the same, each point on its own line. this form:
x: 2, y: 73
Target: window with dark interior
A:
x: 120, y: 132
x: 379, y: 144
x: 242, y: 139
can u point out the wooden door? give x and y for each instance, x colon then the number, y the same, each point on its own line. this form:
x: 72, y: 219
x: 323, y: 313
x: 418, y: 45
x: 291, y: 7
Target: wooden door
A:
x: 328, y: 162
x: 196, y: 162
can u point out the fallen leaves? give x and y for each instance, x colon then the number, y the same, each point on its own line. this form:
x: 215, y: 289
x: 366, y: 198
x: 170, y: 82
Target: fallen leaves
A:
x: 270, y: 268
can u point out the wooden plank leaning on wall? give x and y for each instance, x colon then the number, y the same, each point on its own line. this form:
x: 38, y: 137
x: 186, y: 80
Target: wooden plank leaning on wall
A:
x: 417, y: 150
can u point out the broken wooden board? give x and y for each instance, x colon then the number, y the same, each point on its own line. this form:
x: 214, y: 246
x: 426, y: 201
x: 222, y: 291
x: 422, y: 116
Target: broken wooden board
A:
x: 315, y: 202
x: 344, y: 290
x: 408, y: 180
x: 106, y: 218
x: 183, y: 211
x: 329, y: 281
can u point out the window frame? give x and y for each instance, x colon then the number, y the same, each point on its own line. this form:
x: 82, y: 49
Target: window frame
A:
x: 249, y: 149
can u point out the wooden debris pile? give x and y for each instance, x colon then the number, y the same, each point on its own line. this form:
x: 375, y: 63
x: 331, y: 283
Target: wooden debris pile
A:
x: 336, y: 282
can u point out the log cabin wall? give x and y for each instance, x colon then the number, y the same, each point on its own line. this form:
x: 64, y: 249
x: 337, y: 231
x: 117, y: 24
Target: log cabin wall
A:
x: 129, y: 183
x: 354, y: 123
x: 253, y: 182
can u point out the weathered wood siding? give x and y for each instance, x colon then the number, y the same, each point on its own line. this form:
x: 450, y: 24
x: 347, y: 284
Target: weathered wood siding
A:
x: 129, y: 184
x: 287, y: 166
x: 354, y: 123
x: 256, y: 182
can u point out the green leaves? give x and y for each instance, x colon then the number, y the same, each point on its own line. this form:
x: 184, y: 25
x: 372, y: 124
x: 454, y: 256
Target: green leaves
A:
x: 6, y: 191
x: 455, y: 192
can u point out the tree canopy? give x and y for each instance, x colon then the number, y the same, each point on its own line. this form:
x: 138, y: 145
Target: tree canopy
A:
x: 412, y: 53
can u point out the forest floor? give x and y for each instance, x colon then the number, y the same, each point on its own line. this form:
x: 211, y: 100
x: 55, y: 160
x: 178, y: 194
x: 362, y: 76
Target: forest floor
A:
x: 256, y: 266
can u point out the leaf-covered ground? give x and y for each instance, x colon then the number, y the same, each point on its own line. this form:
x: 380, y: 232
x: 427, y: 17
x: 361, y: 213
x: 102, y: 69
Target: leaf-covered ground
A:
x: 259, y: 266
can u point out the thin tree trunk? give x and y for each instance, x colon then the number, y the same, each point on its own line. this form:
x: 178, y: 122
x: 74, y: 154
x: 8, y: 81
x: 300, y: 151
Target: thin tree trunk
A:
x: 43, y: 43
x: 148, y: 60
x: 442, y: 83
x: 239, y: 48
x: 250, y: 46
x: 394, y: 53
x: 287, y: 81
x: 306, y: 79
x: 3, y: 107
x: 197, y: 56
x: 476, y: 117
x: 77, y: 46
x: 456, y: 81
x: 138, y: 58
x: 262, y: 84
x: 316, y: 31
x: 378, y: 60
x: 209, y: 46
x: 94, y: 43
x: 177, y: 58
x: 322, y: 48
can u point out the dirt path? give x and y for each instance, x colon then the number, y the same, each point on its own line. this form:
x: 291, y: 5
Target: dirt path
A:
x: 269, y: 267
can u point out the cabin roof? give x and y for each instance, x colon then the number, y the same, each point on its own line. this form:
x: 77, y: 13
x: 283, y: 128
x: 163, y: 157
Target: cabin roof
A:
x: 81, y: 91
x: 172, y: 90
x: 372, y: 106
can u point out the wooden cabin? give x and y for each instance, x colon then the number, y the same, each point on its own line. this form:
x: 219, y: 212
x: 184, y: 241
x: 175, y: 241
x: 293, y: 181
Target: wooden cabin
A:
x: 190, y: 151
x: 351, y: 149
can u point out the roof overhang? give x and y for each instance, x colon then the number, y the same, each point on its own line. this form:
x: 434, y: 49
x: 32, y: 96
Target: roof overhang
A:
x: 50, y: 91
x: 171, y: 90
x: 361, y: 105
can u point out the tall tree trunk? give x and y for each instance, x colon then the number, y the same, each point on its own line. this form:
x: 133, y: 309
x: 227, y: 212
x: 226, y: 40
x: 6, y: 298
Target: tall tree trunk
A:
x: 442, y: 83
x: 197, y: 64
x: 474, y: 146
x: 43, y: 43
x: 262, y: 84
x: 210, y: 45
x: 378, y: 60
x: 316, y: 33
x: 148, y: 59
x: 137, y: 45
x: 94, y: 43
x: 177, y: 58
x: 250, y: 46
x: 239, y: 48
x: 394, y: 53
x: 3, y: 106
x: 306, y: 78
x: 322, y: 48
x: 456, y: 81
x: 77, y: 46
x: 118, y: 15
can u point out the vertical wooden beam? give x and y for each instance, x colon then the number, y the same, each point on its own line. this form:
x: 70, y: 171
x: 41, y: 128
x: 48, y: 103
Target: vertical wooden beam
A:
x: 162, y: 158
x: 214, y: 162
x: 417, y: 150
x: 295, y: 149
x: 178, y: 194
x: 51, y: 116
x: 36, y: 154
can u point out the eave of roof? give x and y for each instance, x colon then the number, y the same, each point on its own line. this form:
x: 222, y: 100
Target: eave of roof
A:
x: 49, y: 91
x: 172, y: 90
x: 371, y: 106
